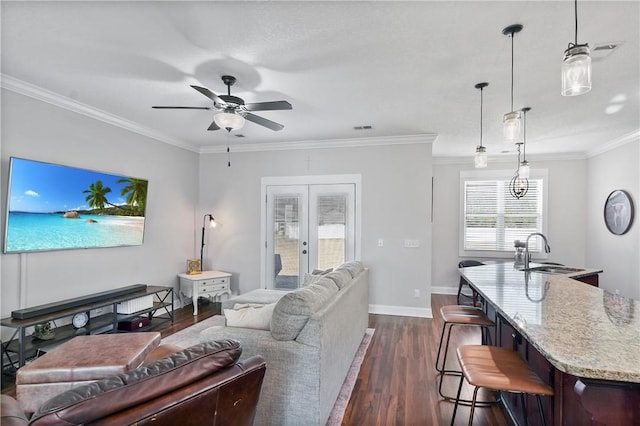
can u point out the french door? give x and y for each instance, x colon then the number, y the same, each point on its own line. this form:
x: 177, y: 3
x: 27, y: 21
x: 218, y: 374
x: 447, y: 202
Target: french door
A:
x: 307, y: 227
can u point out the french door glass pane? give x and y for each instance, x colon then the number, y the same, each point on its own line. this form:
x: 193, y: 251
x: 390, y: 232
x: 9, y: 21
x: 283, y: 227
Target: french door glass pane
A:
x: 286, y: 241
x: 332, y: 220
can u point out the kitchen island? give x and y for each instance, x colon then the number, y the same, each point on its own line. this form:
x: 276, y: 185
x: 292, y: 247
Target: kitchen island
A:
x: 583, y: 341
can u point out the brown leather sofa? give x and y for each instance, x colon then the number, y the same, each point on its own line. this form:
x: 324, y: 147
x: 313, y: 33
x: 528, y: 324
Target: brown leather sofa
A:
x: 201, y: 385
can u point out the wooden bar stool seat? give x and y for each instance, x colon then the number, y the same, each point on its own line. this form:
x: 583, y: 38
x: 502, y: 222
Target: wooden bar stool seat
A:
x: 498, y: 369
x: 460, y: 315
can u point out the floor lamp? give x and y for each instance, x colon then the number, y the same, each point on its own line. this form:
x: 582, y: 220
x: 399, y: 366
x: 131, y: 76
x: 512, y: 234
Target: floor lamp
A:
x: 212, y: 224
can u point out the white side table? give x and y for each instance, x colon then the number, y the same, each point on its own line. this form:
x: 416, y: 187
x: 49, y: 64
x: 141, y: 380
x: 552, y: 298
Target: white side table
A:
x: 207, y: 283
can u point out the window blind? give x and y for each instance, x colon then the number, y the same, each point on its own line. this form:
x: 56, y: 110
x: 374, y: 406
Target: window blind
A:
x: 493, y: 219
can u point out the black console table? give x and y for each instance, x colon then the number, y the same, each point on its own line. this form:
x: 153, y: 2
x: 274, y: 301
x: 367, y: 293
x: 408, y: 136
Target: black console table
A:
x: 102, y: 322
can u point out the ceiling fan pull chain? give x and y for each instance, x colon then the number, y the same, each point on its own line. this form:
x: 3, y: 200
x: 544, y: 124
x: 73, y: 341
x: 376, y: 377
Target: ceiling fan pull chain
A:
x: 228, y: 157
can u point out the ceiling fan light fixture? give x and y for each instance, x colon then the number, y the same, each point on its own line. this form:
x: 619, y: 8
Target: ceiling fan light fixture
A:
x: 576, y: 70
x: 229, y: 120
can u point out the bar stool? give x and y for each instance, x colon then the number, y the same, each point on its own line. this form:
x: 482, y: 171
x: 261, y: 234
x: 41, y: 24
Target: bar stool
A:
x: 461, y: 315
x: 498, y: 369
x: 463, y: 282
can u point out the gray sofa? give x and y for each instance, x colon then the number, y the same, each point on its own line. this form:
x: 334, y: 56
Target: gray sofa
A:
x: 314, y: 334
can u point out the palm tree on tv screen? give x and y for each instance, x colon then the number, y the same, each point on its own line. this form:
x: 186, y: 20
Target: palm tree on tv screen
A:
x: 136, y: 193
x: 97, y: 197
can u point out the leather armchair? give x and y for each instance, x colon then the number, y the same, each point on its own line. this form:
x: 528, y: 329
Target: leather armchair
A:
x: 203, y: 384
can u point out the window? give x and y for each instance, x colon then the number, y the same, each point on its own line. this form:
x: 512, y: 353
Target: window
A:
x: 491, y: 219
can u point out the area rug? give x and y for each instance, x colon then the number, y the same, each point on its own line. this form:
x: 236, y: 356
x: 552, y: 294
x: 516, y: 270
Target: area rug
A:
x: 191, y: 336
x: 335, y: 419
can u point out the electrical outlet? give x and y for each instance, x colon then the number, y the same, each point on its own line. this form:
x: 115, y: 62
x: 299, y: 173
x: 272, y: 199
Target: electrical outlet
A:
x: 416, y: 292
x: 411, y: 243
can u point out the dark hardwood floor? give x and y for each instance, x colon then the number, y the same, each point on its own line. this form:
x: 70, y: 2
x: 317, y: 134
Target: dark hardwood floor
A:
x: 397, y: 383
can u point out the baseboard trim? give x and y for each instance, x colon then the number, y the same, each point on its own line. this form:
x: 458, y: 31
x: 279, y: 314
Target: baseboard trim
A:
x: 444, y: 290
x: 401, y: 311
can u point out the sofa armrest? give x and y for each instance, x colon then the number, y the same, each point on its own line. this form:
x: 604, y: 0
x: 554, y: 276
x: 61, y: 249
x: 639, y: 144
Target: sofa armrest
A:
x: 10, y: 412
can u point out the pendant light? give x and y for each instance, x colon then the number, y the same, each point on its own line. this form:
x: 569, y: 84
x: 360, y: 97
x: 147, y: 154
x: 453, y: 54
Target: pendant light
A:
x: 519, y: 186
x: 481, y: 152
x: 524, y: 171
x: 576, y: 66
x: 511, y: 120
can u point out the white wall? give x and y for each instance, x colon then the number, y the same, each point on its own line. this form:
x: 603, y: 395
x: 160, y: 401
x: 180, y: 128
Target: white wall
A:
x: 566, y: 230
x: 396, y: 199
x: 618, y: 255
x: 36, y: 130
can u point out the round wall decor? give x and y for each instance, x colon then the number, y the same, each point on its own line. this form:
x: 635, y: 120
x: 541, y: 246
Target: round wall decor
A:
x: 618, y: 212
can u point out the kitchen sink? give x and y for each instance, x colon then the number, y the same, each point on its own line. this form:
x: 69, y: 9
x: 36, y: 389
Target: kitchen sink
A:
x: 554, y: 269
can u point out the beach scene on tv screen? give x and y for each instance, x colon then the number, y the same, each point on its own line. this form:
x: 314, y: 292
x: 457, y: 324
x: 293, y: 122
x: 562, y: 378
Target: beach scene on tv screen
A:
x: 56, y: 207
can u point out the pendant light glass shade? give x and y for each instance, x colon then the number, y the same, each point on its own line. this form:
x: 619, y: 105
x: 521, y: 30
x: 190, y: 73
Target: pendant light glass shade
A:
x: 229, y: 120
x: 512, y: 127
x: 576, y: 65
x: 576, y: 71
x: 480, y: 158
x: 524, y: 171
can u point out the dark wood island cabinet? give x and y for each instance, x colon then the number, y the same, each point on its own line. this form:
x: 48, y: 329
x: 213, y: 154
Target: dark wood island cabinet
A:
x: 582, y: 341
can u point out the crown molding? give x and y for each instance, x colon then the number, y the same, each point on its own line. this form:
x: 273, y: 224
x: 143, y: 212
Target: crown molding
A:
x: 616, y: 143
x: 27, y: 89
x: 426, y: 138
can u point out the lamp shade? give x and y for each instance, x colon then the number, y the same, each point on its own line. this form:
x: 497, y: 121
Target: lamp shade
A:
x: 576, y: 71
x: 229, y: 120
x: 480, y: 157
x: 512, y: 126
x: 524, y: 171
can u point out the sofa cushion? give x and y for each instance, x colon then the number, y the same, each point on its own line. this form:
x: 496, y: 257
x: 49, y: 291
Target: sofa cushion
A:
x: 250, y: 316
x: 98, y: 399
x: 340, y: 276
x: 354, y: 267
x: 294, y: 309
x: 310, y: 278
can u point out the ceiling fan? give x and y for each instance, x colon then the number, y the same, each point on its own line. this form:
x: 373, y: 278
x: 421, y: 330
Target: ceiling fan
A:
x: 232, y: 110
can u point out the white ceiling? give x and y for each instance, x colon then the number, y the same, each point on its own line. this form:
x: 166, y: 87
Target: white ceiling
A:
x: 406, y: 68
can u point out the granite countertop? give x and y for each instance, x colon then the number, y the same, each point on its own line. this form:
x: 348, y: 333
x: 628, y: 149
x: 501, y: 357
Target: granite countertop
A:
x: 581, y: 329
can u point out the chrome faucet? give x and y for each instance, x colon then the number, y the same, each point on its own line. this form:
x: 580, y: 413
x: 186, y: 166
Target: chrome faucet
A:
x: 527, y: 255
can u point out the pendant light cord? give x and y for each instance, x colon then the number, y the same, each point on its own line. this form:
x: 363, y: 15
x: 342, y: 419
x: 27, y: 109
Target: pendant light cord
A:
x: 524, y: 137
x: 481, y: 88
x: 512, y: 36
x: 576, y: 18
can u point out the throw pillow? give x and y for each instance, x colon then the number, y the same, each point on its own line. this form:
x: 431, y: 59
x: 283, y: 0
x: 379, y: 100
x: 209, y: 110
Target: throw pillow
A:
x: 321, y: 271
x: 294, y: 309
x: 310, y: 279
x: 341, y: 277
x: 250, y: 315
x: 354, y: 267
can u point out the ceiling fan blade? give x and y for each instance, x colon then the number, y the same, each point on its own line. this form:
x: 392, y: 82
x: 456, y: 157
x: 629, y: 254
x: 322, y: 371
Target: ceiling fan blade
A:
x: 209, y: 94
x: 213, y: 126
x: 268, y: 106
x: 179, y: 107
x: 263, y: 122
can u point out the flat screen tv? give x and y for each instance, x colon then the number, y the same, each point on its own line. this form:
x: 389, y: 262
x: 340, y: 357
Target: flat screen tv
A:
x: 57, y: 207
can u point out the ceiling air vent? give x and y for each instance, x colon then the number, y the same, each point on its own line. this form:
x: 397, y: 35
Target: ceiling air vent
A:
x: 600, y: 51
x: 365, y: 127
